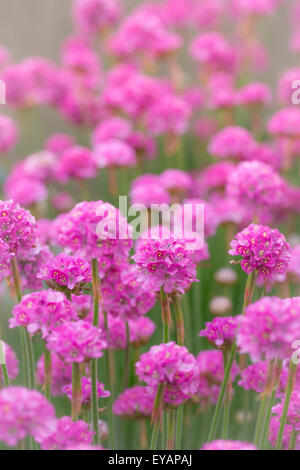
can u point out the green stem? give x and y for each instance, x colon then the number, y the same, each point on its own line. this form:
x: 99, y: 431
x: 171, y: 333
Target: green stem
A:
x: 226, y: 402
x: 179, y: 425
x: 260, y: 419
x: 76, y: 391
x: 110, y: 379
x: 179, y: 321
x: 47, y: 373
x: 127, y: 357
x: 293, y: 440
x: 288, y: 394
x: 165, y: 314
x: 156, y: 416
x: 249, y: 289
x: 275, y: 384
x: 171, y: 416
x: 94, y: 361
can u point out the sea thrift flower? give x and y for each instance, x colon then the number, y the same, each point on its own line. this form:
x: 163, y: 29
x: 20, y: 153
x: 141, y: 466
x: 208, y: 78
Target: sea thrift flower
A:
x: 213, y: 50
x: 207, y: 13
x: 140, y: 331
x: 148, y: 192
x: 95, y: 16
x: 288, y: 430
x: 175, y: 181
x: 17, y: 228
x: 58, y: 143
x: 11, y: 361
x: 254, y: 94
x: 86, y: 391
x: 255, y: 7
x: 168, y: 115
x: 31, y: 265
x: 254, y: 377
x: 93, y: 230
x: 114, y: 128
x: 134, y: 403
x: 285, y: 122
x: 76, y: 162
x: 61, y: 374
x: 68, y: 433
x: 228, y: 445
x: 221, y: 331
x: 114, y: 153
x: 18, y: 190
x: 76, y: 341
x: 214, y: 177
x: 170, y: 365
x: 8, y: 134
x: 66, y: 271
x: 24, y: 412
x: 262, y: 249
x: 232, y: 142
x: 41, y: 312
x: 165, y: 263
x: 269, y: 327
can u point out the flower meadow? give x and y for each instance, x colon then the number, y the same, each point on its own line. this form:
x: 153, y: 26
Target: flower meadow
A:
x: 110, y: 340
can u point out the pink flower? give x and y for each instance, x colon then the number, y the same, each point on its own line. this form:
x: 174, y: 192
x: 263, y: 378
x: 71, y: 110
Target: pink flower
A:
x: 61, y: 374
x: 285, y: 122
x: 174, y: 180
x: 87, y: 391
x: 134, y: 403
x: 269, y: 327
x: 213, y: 50
x: 94, y: 16
x: 228, y: 445
x: 30, y: 266
x: 58, y: 143
x: 255, y: 7
x: 168, y: 115
x: 254, y: 94
x: 262, y: 249
x: 76, y: 341
x: 114, y: 153
x: 68, y: 434
x: 148, y: 191
x: 65, y: 270
x: 76, y: 162
x: 110, y: 129
x: 232, y: 142
x: 42, y: 311
x: 221, y: 331
x: 24, y: 412
x: 8, y: 134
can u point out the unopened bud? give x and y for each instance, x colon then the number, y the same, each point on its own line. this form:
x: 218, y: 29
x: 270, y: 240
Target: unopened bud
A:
x: 225, y: 276
x: 220, y: 305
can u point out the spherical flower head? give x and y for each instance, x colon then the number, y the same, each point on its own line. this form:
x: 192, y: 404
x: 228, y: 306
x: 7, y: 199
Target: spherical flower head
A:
x: 232, y: 142
x: 11, y: 361
x: 114, y: 128
x: 30, y: 266
x: 58, y: 143
x: 269, y: 327
x: 169, y: 114
x: 65, y: 271
x: 67, y: 434
x: 134, y: 403
x: 26, y: 191
x: 76, y: 341
x: 141, y: 329
x: 175, y: 181
x: 214, y: 177
x: 93, y: 16
x: 62, y: 201
x: 212, y: 49
x: 254, y: 8
x: 285, y: 123
x: 288, y: 430
x: 17, y: 228
x: 86, y: 388
x: 254, y: 377
x: 76, y: 162
x: 8, y: 134
x: 255, y: 184
x: 168, y: 364
x: 61, y: 374
x: 208, y: 13
x: 266, y: 154
x: 114, y: 153
x: 229, y: 445
x: 165, y: 263
x: 254, y: 94
x: 293, y: 415
x: 94, y: 229
x: 24, y: 412
x: 149, y: 192
x: 263, y: 250
x: 42, y: 311
x: 221, y: 331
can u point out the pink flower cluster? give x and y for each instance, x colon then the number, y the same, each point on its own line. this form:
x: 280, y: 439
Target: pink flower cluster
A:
x: 87, y: 391
x: 134, y: 403
x: 221, y: 331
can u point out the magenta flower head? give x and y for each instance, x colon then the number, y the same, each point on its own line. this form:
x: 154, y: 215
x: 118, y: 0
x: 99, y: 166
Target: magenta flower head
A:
x: 58, y: 143
x: 254, y: 8
x: 165, y: 263
x: 76, y: 341
x: 60, y: 371
x: 212, y: 50
x: 42, y: 311
x: 232, y: 142
x: 68, y: 434
x: 76, y: 162
x: 256, y: 185
x: 169, y: 114
x: 285, y: 122
x: 87, y: 391
x: 228, y: 445
x: 176, y: 181
x: 254, y: 377
x: 17, y: 228
x: 114, y: 128
x: 114, y: 153
x: 24, y: 412
x: 92, y: 17
x: 263, y: 250
x: 254, y: 94
x: 31, y: 265
x: 65, y: 271
x: 148, y: 190
x: 134, y: 403
x: 8, y: 134
x: 269, y: 327
x: 95, y: 229
x: 170, y: 365
x: 12, y: 362
x: 221, y: 331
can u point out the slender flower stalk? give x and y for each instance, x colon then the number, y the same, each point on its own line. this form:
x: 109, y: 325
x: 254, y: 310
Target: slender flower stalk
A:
x: 156, y: 416
x: 165, y: 314
x: 263, y: 406
x: 226, y: 402
x: 249, y: 290
x: 274, y: 386
x: 76, y: 391
x: 127, y: 356
x: 47, y: 373
x: 179, y: 321
x: 288, y: 393
x: 94, y: 361
x: 293, y: 440
x: 171, y: 419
